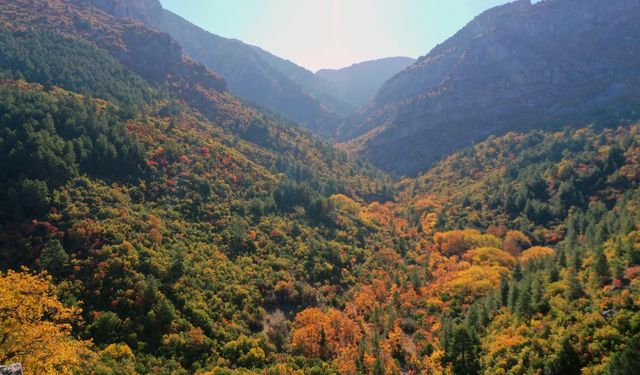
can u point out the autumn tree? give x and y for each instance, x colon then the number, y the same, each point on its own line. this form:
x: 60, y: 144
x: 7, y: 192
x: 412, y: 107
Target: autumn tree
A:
x: 536, y: 253
x: 36, y: 327
x: 515, y: 242
x: 320, y: 334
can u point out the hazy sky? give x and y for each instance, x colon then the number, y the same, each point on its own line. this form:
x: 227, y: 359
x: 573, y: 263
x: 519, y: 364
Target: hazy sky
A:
x: 333, y: 33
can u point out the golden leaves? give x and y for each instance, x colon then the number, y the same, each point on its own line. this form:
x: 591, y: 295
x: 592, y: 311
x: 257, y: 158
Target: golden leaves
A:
x: 535, y: 253
x: 458, y: 241
x: 490, y: 256
x: 36, y: 327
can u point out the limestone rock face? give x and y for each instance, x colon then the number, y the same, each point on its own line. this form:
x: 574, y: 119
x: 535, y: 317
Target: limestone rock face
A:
x: 153, y: 55
x: 515, y: 67
x: 14, y: 369
x: 250, y: 72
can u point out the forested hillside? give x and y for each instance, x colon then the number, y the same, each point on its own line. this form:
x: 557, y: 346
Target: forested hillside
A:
x: 153, y: 223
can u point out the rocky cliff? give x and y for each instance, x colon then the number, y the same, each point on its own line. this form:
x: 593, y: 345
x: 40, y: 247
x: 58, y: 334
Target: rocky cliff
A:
x: 518, y: 66
x: 151, y: 54
x: 251, y: 73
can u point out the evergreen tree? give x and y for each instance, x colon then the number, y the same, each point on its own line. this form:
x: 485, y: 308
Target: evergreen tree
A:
x: 516, y: 275
x: 566, y: 361
x: 574, y: 288
x: 53, y: 258
x: 504, y: 291
x: 523, y: 306
x: 626, y: 362
x: 601, y: 267
x: 514, y: 292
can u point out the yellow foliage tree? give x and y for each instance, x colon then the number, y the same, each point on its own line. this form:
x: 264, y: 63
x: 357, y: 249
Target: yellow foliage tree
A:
x: 116, y: 359
x: 490, y: 256
x: 474, y: 281
x: 536, y: 252
x: 35, y: 327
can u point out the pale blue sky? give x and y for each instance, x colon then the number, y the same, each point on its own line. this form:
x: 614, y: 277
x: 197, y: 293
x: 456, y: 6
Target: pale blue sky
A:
x: 333, y: 33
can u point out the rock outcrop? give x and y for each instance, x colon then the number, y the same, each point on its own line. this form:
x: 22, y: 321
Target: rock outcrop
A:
x: 14, y: 369
x: 515, y: 67
x: 251, y: 72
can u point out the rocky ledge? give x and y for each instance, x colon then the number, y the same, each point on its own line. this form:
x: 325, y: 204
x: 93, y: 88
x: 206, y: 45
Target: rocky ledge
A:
x: 14, y: 369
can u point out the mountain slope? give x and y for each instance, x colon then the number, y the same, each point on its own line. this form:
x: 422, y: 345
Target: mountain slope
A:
x: 251, y: 72
x: 359, y: 83
x: 181, y: 220
x: 518, y: 66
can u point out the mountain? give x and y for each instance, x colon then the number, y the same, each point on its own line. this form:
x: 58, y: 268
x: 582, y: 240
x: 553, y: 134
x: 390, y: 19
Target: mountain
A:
x: 145, y: 199
x: 359, y: 83
x: 153, y: 223
x: 515, y: 67
x: 251, y: 72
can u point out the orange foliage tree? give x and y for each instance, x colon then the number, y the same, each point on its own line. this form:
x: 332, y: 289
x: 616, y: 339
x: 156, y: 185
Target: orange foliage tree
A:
x: 516, y: 241
x: 458, y: 241
x: 319, y: 334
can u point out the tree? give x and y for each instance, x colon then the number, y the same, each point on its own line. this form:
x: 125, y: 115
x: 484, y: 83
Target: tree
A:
x: 53, y: 258
x: 116, y: 359
x: 536, y: 253
x: 601, y: 270
x: 461, y: 350
x: 107, y: 328
x: 573, y: 286
x: 516, y: 241
x: 245, y: 351
x: 523, y: 306
x: 35, y: 326
x: 491, y: 256
x: 626, y: 362
x: 323, y: 335
x: 565, y: 361
x: 28, y: 197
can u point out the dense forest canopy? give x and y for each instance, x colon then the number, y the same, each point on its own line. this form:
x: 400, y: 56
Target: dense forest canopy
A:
x: 169, y: 228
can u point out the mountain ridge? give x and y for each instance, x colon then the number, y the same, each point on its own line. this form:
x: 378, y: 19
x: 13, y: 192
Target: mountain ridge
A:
x: 251, y: 72
x: 514, y: 67
x: 359, y: 82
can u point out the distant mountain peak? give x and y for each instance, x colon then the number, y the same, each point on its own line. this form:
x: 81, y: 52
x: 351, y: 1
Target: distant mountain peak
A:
x: 359, y: 83
x: 400, y: 59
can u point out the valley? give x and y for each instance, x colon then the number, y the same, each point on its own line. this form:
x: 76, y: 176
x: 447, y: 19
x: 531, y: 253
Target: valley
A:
x: 176, y: 202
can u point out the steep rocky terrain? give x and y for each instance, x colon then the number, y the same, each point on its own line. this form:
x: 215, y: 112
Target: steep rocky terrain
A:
x: 251, y: 72
x: 359, y: 83
x: 518, y: 66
